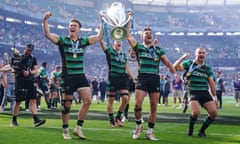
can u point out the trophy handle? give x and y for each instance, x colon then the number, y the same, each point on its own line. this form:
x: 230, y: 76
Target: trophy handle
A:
x: 108, y: 20
x: 129, y: 18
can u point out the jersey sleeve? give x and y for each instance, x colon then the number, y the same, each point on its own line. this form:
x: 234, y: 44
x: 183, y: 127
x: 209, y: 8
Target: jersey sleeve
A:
x: 186, y: 64
x: 211, y: 74
x: 161, y: 51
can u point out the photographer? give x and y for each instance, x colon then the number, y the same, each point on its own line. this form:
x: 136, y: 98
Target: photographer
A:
x: 25, y: 67
x: 3, y: 84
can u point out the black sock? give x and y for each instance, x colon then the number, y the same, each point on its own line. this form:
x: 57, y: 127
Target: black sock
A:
x: 80, y: 123
x: 119, y: 114
x: 191, y: 124
x: 49, y: 102
x: 14, y: 118
x: 126, y: 111
x: 35, y: 118
x: 111, y: 117
x: 65, y: 126
x: 151, y: 125
x: 139, y: 122
x: 206, y: 124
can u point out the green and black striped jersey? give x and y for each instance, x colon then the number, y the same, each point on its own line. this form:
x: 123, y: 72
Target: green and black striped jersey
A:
x: 43, y: 74
x: 116, y: 62
x: 198, y: 75
x: 57, y: 76
x: 72, y: 53
x: 148, y: 58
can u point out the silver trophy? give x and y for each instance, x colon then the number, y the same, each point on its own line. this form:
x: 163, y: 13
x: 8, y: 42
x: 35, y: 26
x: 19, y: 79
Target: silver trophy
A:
x: 116, y: 17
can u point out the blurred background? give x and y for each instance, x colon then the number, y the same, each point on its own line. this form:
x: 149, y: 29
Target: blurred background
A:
x: 179, y: 25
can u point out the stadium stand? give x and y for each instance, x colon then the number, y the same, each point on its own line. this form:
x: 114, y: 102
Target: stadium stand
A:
x: 223, y: 50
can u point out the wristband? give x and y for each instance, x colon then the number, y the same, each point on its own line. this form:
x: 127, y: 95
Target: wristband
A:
x: 214, y: 98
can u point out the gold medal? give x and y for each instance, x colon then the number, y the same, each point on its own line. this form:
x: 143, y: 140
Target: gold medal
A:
x: 74, y: 55
x: 75, y: 48
x: 188, y: 74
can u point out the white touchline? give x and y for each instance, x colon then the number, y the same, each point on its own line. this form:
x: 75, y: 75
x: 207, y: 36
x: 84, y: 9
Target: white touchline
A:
x: 127, y: 130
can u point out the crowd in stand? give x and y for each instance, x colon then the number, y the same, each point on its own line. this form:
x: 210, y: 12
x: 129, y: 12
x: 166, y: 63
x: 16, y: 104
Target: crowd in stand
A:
x: 198, y: 18
x: 218, y: 47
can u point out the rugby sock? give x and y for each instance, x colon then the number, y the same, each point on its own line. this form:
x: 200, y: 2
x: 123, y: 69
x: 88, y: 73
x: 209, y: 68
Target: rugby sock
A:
x: 191, y: 125
x: 49, y: 102
x: 64, y: 126
x: 150, y: 127
x: 35, y: 118
x: 52, y: 102
x: 126, y: 111
x: 111, y: 117
x: 206, y: 124
x: 55, y: 102
x: 119, y: 114
x: 14, y: 118
x: 139, y: 122
x: 80, y: 123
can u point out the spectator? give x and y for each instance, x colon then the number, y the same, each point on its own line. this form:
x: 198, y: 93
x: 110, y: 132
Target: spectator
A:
x: 220, y: 88
x: 236, y: 85
x: 94, y: 86
x: 103, y: 88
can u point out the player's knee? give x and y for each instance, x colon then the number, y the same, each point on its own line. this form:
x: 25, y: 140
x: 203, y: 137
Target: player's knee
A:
x: 153, y: 109
x: 212, y: 114
x: 66, y: 105
x: 87, y: 102
x: 137, y: 109
x: 195, y: 113
x: 125, y: 98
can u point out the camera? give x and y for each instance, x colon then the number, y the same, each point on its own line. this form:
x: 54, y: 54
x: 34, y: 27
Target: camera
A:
x: 17, y: 61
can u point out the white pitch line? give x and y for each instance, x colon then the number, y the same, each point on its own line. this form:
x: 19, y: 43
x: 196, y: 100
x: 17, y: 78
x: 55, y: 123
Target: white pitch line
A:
x: 127, y: 130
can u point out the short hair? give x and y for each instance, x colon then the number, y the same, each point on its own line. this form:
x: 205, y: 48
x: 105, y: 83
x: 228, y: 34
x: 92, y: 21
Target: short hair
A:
x: 147, y: 29
x: 199, y: 48
x: 30, y: 46
x: 77, y: 21
x: 44, y: 63
x: 58, y: 67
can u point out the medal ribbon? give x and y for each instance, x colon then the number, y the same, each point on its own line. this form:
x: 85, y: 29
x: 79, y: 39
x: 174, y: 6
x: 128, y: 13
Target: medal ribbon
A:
x: 121, y: 58
x: 192, y: 68
x: 75, y: 47
x: 150, y: 51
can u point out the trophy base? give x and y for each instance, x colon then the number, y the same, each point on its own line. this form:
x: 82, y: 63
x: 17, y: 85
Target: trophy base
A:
x: 119, y: 33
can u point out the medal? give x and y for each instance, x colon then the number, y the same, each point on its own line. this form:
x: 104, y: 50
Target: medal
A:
x: 188, y: 74
x: 74, y: 55
x: 75, y: 48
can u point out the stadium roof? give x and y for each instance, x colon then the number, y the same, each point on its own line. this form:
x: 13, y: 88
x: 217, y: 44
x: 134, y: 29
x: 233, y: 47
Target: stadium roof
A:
x: 188, y: 2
